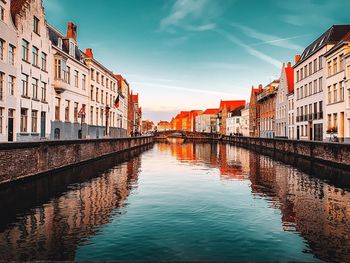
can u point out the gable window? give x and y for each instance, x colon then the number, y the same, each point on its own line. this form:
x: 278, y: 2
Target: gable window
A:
x: 35, y: 52
x: 25, y: 50
x: 71, y: 49
x: 36, y: 25
x: 59, y: 43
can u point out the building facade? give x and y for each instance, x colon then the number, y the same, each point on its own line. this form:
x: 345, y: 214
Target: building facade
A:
x: 206, y: 122
x: 245, y: 120
x: 267, y: 105
x: 337, y: 123
x: 285, y: 87
x: 224, y: 109
x: 291, y: 116
x: 234, y: 122
x: 9, y: 93
x: 254, y: 112
x: 163, y: 126
x: 310, y: 85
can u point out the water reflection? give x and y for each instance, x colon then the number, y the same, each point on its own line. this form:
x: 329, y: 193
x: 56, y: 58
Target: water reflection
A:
x: 49, y: 217
x: 53, y: 217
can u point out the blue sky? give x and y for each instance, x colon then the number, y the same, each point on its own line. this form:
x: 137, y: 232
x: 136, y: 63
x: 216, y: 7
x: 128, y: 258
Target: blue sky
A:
x: 189, y: 54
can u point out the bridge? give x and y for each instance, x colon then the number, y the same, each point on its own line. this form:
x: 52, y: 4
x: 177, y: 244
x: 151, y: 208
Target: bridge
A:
x: 184, y: 135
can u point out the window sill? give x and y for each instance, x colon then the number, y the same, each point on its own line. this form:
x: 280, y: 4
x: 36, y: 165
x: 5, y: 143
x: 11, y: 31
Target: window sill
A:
x: 35, y: 99
x: 36, y: 66
x: 25, y: 97
x: 24, y: 133
x: 35, y: 134
x: 26, y: 61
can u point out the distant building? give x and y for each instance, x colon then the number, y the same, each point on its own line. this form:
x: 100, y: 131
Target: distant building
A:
x: 245, y: 120
x: 254, y: 112
x: 163, y: 126
x: 267, y: 104
x: 224, y: 109
x: 206, y: 122
x: 310, y: 85
x: 285, y: 87
x: 337, y: 117
x: 147, y: 126
x: 234, y: 122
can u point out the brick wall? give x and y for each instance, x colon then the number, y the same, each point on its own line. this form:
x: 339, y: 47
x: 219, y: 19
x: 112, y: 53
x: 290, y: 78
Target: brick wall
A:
x: 331, y: 153
x: 21, y: 160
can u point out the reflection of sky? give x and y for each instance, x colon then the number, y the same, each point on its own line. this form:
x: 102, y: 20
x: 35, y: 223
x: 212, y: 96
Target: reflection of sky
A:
x: 184, y: 211
x: 177, y: 51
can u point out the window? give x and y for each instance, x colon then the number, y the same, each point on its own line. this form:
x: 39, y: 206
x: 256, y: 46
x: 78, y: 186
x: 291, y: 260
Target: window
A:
x: 92, y: 93
x: 329, y: 68
x: 57, y: 108
x: 83, y: 82
x: 2, y: 49
x: 335, y: 65
x: 320, y: 85
x: 24, y: 120
x: 76, y: 78
x: 68, y: 75
x: 315, y: 65
x: 335, y: 93
x: 341, y: 62
x: 1, y: 120
x: 96, y: 116
x: 43, y: 91
x: 66, y: 111
x: 35, y: 88
x: 72, y: 49
x: 310, y: 89
x: 24, y: 85
x: 310, y: 68
x: 102, y: 96
x: 329, y: 121
x: 91, y: 115
x: 107, y: 83
x: 36, y: 25
x: 320, y: 108
x: 305, y: 71
x: 43, y: 61
x: 102, y: 80
x: 315, y: 86
x: 2, y: 76
x: 59, y: 43
x: 335, y: 120
x: 76, y: 109
x: 341, y: 91
x: 320, y: 61
x: 301, y: 73
x: 34, y: 121
x: 11, y: 84
x: 2, y: 13
x: 35, y: 59
x: 92, y: 74
x: 329, y: 94
x: 11, y: 55
x: 97, y: 95
x: 98, y: 77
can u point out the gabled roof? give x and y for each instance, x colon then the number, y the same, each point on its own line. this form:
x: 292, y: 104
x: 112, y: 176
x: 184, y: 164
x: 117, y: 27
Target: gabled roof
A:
x: 331, y: 36
x: 290, y: 77
x: 237, y: 111
x: 211, y: 111
x: 231, y: 104
x: 345, y: 40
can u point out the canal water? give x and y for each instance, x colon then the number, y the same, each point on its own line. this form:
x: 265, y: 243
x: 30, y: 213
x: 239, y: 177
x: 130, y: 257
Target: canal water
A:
x: 178, y: 201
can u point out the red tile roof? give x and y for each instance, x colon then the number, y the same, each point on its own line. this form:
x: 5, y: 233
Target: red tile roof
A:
x: 290, y: 77
x: 231, y: 104
x: 135, y: 98
x: 211, y: 111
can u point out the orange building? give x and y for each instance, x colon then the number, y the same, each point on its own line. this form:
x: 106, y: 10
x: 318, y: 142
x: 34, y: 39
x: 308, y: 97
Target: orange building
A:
x: 185, y: 120
x: 163, y: 126
x: 254, y: 112
x: 224, y: 109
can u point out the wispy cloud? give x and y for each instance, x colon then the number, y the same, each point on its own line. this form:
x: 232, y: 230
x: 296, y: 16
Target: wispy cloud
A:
x: 201, y: 28
x: 269, y: 39
x: 252, y: 51
x: 181, y: 10
x: 221, y: 65
x: 53, y: 6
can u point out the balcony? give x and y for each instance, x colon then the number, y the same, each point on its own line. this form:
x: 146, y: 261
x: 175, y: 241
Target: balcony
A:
x: 60, y: 83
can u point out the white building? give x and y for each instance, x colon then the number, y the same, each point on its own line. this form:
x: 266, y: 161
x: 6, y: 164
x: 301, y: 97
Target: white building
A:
x: 234, y: 122
x: 291, y: 115
x: 33, y: 71
x: 103, y: 115
x: 310, y: 85
x: 70, y: 75
x: 206, y: 122
x: 9, y: 116
x: 285, y: 87
x: 245, y: 120
x: 337, y: 118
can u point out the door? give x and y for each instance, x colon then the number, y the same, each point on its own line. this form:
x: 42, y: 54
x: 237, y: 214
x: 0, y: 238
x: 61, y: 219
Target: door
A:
x: 43, y: 124
x: 10, y: 126
x: 311, y: 132
x: 298, y: 132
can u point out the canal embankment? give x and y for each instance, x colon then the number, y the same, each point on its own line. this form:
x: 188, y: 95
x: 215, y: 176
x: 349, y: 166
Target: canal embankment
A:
x: 334, y: 154
x: 23, y: 160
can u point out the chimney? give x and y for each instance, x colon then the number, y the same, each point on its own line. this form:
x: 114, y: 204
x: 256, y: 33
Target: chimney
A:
x: 260, y: 87
x: 297, y: 59
x: 289, y: 64
x: 72, y: 31
x: 89, y: 53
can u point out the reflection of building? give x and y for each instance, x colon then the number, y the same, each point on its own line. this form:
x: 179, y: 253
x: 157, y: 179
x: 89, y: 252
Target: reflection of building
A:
x: 55, y: 229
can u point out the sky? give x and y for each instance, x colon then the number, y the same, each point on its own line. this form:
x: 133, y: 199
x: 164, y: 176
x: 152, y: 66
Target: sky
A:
x: 190, y: 54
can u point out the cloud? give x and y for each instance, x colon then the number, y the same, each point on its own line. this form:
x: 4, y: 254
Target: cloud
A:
x: 221, y: 65
x: 201, y: 28
x: 181, y: 10
x: 268, y: 39
x: 250, y: 50
x: 53, y: 6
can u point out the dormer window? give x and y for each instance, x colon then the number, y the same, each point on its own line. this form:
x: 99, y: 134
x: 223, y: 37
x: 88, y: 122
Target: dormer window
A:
x: 59, y: 43
x: 36, y: 25
x: 71, y: 48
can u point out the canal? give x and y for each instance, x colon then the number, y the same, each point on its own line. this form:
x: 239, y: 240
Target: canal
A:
x: 178, y: 201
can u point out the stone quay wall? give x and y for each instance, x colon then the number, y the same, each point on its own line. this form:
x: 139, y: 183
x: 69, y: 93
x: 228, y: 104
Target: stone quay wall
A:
x: 336, y: 154
x: 26, y: 159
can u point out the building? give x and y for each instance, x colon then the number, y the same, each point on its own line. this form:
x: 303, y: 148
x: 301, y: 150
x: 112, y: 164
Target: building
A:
x: 234, y: 122
x: 347, y: 96
x: 9, y: 93
x: 291, y: 115
x: 104, y: 107
x: 34, y: 97
x: 245, y: 120
x: 163, y: 126
x: 70, y: 92
x: 135, y: 114
x: 254, y: 112
x: 122, y: 118
x: 285, y: 87
x: 206, y: 122
x: 310, y: 84
x: 224, y: 109
x: 337, y: 118
x: 267, y: 105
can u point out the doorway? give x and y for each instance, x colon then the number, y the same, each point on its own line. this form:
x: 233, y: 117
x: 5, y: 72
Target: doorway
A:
x: 43, y: 124
x: 10, y: 125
